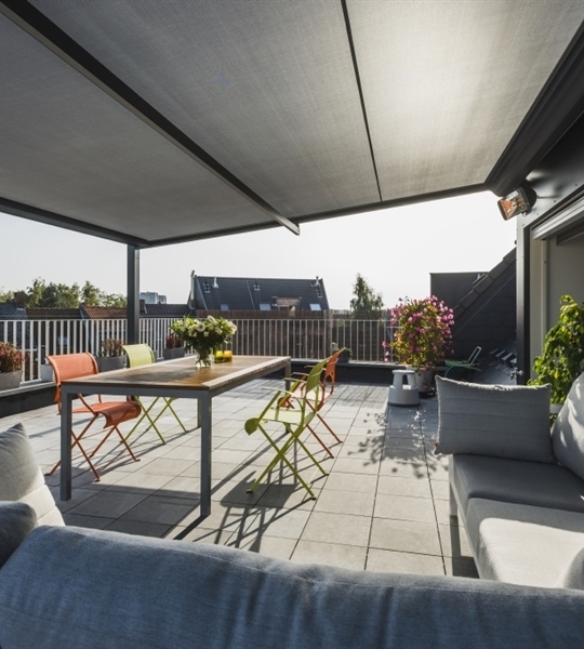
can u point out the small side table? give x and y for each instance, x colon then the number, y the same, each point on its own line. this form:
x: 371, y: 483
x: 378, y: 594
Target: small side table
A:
x: 404, y: 390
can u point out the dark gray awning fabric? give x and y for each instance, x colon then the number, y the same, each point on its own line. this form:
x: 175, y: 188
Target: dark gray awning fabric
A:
x: 218, y: 116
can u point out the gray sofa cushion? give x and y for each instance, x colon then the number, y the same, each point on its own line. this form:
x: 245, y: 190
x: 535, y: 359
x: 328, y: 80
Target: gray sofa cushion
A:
x: 521, y: 544
x: 568, y: 430
x: 107, y: 591
x: 17, y: 520
x: 21, y: 478
x: 503, y: 421
x: 529, y: 483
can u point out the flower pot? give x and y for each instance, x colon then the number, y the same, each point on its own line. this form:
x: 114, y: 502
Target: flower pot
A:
x: 10, y: 380
x: 109, y: 363
x: 173, y: 352
x: 425, y: 380
x: 46, y: 374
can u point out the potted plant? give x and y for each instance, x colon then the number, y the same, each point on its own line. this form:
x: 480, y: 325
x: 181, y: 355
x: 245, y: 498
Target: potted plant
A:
x: 422, y: 335
x: 203, y: 336
x: 174, y: 347
x: 11, y: 362
x: 112, y: 355
x: 562, y: 360
x: 345, y: 356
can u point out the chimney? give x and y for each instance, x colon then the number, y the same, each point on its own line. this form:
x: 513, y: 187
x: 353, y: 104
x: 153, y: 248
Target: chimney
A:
x: 20, y: 300
x: 193, y: 293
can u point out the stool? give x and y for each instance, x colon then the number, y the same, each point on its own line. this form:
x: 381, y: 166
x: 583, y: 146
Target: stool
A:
x: 404, y: 391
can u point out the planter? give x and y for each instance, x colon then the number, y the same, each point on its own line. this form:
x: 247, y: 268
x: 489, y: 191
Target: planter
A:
x: 109, y: 363
x: 46, y: 374
x: 425, y: 381
x: 174, y: 352
x: 10, y: 380
x: 343, y: 360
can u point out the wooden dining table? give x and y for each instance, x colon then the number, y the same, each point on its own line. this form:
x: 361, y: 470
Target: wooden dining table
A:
x: 179, y: 378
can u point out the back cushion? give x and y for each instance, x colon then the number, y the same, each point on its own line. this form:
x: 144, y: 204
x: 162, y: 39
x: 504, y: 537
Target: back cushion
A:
x: 568, y: 431
x: 21, y: 478
x: 498, y: 420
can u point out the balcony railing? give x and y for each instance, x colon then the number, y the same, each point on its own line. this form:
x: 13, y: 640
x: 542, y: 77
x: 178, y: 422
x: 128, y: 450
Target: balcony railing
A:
x: 298, y: 338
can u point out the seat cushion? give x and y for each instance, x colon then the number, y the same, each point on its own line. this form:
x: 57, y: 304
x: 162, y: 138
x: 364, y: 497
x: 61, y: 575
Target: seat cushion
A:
x: 521, y: 544
x: 21, y: 478
x: 528, y: 483
x: 498, y: 420
x: 568, y: 430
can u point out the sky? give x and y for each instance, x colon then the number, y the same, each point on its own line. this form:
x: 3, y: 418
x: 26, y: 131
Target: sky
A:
x: 394, y: 249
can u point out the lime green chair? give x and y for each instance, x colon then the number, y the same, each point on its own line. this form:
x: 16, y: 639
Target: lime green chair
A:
x: 139, y: 355
x: 295, y: 420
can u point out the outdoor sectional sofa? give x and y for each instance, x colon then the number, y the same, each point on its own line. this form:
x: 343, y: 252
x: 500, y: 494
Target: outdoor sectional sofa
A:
x: 518, y: 490
x: 74, y: 588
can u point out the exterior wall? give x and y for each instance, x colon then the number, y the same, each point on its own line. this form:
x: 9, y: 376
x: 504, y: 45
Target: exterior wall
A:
x: 491, y: 321
x: 565, y: 274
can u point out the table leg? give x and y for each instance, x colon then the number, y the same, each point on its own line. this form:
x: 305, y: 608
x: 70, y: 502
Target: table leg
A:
x: 66, y: 424
x: 205, y: 422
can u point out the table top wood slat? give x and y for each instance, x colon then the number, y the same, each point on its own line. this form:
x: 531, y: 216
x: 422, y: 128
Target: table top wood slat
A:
x: 183, y: 373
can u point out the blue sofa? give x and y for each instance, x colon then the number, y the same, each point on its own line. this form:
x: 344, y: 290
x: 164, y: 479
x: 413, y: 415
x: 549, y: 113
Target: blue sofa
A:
x: 72, y: 588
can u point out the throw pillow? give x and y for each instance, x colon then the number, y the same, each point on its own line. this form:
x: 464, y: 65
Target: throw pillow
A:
x: 21, y: 478
x: 573, y: 575
x: 17, y: 520
x: 568, y: 431
x: 497, y: 420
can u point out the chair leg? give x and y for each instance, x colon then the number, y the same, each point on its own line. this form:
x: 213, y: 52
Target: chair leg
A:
x: 330, y: 430
x: 146, y: 415
x: 324, y: 446
x: 169, y: 405
x: 281, y: 457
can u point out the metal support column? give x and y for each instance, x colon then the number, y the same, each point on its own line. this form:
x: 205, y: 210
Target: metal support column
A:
x: 523, y: 301
x: 133, y: 295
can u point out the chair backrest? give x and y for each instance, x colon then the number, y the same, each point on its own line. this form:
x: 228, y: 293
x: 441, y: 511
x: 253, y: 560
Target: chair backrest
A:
x: 139, y: 355
x: 313, y: 386
x: 72, y: 366
x: 475, y: 354
x: 329, y: 374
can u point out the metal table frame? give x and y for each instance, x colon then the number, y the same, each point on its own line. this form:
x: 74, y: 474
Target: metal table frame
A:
x: 178, y: 379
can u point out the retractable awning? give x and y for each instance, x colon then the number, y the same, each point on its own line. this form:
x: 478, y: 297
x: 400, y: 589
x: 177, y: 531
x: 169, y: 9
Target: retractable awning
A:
x: 151, y: 122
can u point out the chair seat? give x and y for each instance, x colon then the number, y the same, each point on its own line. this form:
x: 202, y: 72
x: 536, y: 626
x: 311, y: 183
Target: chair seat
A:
x: 288, y: 416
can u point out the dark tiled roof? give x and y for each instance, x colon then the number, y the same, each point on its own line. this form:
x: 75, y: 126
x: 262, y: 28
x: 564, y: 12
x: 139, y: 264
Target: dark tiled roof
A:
x: 9, y: 311
x: 53, y: 313
x: 166, y: 310
x: 104, y: 312
x: 251, y: 294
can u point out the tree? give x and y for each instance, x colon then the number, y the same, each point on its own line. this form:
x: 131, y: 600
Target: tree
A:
x: 91, y: 295
x: 6, y: 296
x: 41, y: 294
x: 366, y: 301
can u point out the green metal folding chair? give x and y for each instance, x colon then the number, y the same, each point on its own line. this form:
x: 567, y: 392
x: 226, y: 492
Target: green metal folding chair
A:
x: 469, y: 364
x: 139, y: 355
x: 295, y: 420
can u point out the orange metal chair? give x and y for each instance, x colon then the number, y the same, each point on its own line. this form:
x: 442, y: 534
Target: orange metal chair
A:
x: 73, y: 366
x: 328, y: 379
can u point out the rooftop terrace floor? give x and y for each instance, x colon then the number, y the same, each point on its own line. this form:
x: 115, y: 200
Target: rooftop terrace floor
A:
x: 384, y: 505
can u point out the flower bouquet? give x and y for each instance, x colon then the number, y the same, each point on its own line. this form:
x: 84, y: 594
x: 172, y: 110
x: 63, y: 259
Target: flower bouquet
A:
x: 203, y: 336
x: 423, y: 332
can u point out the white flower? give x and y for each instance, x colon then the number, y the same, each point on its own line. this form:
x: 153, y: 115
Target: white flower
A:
x: 200, y: 326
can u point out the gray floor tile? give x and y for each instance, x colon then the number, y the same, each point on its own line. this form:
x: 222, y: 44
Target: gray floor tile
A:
x: 332, y: 554
x: 404, y: 562
x: 141, y: 528
x: 405, y: 536
x: 351, y: 482
x: 413, y: 487
x: 338, y: 528
x: 404, y: 508
x: 110, y: 504
x: 161, y: 509
x: 359, y: 503
x: 271, y: 546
